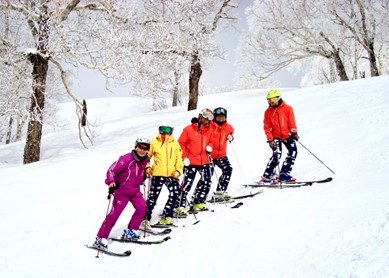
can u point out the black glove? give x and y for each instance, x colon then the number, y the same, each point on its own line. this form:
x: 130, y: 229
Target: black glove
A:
x: 295, y: 137
x: 273, y: 145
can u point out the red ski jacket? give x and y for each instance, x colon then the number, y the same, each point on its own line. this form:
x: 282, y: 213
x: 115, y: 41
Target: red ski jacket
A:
x: 219, y: 139
x: 193, y: 142
x: 279, y: 122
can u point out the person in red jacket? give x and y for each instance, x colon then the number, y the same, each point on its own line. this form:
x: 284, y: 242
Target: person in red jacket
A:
x: 280, y: 128
x: 222, y: 133
x: 196, y: 145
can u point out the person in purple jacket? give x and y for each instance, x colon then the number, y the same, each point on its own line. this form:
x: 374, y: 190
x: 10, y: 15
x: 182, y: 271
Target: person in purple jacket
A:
x: 125, y: 176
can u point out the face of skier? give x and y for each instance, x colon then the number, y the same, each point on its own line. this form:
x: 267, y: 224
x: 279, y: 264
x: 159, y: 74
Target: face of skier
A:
x: 273, y: 101
x: 220, y: 118
x: 142, y: 149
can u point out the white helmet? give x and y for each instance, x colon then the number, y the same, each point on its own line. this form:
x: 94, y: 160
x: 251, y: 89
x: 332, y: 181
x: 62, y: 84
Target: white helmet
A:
x: 167, y: 123
x: 166, y: 126
x: 142, y: 140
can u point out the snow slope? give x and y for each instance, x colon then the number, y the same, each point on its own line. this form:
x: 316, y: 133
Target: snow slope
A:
x: 50, y: 209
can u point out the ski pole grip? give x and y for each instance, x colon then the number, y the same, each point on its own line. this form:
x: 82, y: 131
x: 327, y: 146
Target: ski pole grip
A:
x: 110, y: 192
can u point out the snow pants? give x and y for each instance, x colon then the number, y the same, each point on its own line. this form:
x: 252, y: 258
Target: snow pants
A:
x: 274, y: 160
x: 203, y: 186
x: 225, y: 165
x: 155, y: 189
x: 119, y: 203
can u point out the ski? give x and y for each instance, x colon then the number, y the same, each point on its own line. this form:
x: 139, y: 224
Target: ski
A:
x: 110, y: 253
x: 163, y: 226
x: 276, y: 185
x: 247, y: 195
x: 238, y: 205
x: 233, y: 198
x: 143, y: 242
x: 221, y: 201
x: 156, y: 232
x: 311, y: 181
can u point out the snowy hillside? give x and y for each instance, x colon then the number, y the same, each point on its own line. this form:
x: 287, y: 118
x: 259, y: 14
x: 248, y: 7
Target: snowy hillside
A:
x: 50, y: 209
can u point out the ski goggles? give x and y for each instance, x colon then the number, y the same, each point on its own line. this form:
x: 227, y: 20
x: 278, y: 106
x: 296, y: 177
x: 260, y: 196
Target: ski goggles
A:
x: 207, y: 113
x: 273, y: 100
x: 220, y: 111
x: 165, y: 129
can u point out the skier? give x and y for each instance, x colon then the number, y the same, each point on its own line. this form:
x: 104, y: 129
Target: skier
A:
x: 221, y: 133
x: 280, y: 128
x: 125, y: 176
x: 165, y: 170
x: 196, y: 145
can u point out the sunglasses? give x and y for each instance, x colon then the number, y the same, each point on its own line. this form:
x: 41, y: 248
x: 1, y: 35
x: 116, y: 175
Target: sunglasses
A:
x: 165, y: 129
x: 143, y: 148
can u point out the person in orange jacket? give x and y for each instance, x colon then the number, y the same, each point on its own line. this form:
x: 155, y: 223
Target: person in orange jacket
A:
x: 196, y: 145
x: 280, y: 128
x: 222, y: 133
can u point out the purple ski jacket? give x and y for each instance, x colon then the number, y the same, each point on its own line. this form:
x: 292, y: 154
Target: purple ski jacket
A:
x: 127, y: 172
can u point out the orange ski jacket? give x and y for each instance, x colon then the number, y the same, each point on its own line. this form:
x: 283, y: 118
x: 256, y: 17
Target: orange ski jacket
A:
x: 193, y: 142
x: 219, y: 139
x: 279, y: 122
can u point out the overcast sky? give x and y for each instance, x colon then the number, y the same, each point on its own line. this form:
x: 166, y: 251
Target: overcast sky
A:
x: 90, y: 84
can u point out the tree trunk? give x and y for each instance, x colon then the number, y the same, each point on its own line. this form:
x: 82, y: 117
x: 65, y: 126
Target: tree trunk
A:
x: 340, y: 66
x: 40, y: 65
x: 373, y: 62
x: 35, y: 124
x: 9, y: 131
x: 175, y: 89
x: 194, y: 79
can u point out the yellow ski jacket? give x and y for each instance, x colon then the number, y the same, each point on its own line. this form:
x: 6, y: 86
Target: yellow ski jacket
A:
x: 167, y: 156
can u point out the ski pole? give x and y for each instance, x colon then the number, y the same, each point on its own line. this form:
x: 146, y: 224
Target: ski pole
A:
x: 316, y: 157
x: 110, y: 192
x: 145, y: 197
x: 238, y: 163
x: 194, y: 213
x: 214, y: 169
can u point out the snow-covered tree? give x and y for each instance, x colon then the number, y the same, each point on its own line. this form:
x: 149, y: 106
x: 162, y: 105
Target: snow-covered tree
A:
x: 149, y: 43
x: 342, y: 32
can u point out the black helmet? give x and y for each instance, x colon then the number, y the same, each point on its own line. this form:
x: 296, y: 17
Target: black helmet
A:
x: 220, y: 111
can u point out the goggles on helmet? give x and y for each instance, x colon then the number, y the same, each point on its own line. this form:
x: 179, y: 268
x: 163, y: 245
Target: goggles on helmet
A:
x: 220, y: 111
x: 165, y: 129
x: 207, y: 113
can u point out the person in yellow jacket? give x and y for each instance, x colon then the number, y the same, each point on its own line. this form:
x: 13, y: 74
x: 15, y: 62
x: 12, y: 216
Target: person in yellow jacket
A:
x: 165, y: 169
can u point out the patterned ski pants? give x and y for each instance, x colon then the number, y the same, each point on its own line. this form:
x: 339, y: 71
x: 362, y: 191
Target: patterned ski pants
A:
x: 155, y: 189
x: 203, y: 186
x: 225, y: 165
x: 274, y: 160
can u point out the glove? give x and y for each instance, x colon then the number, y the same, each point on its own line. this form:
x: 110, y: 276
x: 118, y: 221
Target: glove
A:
x: 186, y: 161
x: 273, y: 145
x: 208, y: 149
x: 295, y: 137
x: 176, y: 174
x: 230, y: 137
x: 148, y: 171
